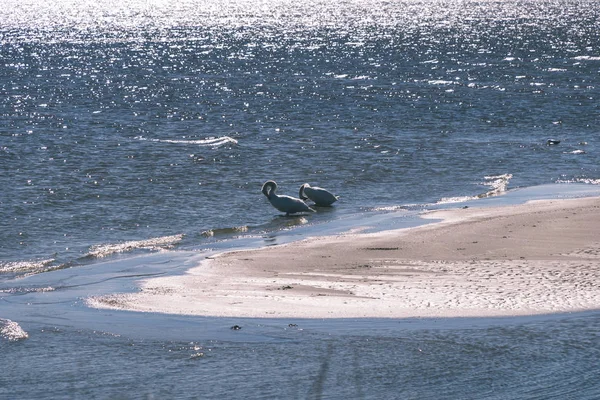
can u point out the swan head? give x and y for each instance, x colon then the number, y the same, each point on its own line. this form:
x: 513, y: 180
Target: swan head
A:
x: 269, y: 188
x: 301, y: 192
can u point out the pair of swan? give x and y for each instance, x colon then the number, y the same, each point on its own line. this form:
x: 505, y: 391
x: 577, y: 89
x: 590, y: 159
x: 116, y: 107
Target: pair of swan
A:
x: 290, y: 205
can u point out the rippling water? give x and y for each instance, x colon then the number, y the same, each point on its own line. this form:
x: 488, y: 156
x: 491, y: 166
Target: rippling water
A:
x: 554, y: 358
x: 128, y: 125
x: 132, y: 120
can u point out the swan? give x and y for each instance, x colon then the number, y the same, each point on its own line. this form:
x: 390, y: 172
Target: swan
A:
x: 320, y: 196
x: 283, y: 203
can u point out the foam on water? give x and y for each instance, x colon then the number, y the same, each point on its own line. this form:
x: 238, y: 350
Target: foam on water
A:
x: 159, y: 243
x: 11, y: 330
x: 580, y: 180
x: 497, y: 183
x: 27, y: 268
x: 21, y: 290
x: 211, y: 141
x: 587, y: 58
x: 24, y: 266
x: 389, y: 208
x: 574, y: 152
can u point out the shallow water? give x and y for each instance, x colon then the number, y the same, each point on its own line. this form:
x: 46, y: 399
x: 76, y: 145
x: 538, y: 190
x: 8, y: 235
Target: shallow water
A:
x: 135, y: 137
x: 58, y: 347
x: 496, y: 359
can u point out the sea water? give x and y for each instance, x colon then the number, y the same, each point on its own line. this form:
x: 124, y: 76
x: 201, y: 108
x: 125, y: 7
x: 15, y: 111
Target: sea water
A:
x: 135, y: 137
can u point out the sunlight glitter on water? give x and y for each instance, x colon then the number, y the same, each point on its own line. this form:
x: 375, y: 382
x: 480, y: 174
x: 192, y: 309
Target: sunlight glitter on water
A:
x: 105, y: 250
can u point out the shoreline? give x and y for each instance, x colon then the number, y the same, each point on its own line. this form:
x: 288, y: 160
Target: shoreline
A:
x: 528, y: 259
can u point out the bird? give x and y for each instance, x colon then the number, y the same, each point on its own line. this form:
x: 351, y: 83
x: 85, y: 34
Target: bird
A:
x: 320, y: 196
x: 287, y: 204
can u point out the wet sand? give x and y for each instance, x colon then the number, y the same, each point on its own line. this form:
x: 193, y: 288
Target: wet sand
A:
x: 535, y: 258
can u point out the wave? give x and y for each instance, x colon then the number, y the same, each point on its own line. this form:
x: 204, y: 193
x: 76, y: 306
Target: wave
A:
x: 588, y: 181
x: 457, y: 199
x: 210, y: 141
x: 159, y: 243
x: 441, y: 82
x: 11, y: 330
x: 390, y: 208
x: 25, y: 266
x: 587, y: 58
x: 498, y: 184
x: 25, y: 290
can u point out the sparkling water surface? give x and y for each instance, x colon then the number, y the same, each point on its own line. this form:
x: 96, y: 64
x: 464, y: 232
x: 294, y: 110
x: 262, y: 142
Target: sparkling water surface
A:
x: 133, y: 126
x: 133, y: 120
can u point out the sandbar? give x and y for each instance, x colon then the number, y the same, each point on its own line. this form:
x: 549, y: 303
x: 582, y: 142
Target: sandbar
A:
x: 534, y: 258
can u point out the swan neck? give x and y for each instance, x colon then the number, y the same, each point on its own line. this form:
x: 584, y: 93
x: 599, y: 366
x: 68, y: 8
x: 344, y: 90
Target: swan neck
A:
x: 269, y: 189
x: 301, y: 192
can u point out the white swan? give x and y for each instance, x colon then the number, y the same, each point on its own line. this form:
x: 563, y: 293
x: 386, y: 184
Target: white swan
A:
x: 320, y: 196
x: 283, y: 203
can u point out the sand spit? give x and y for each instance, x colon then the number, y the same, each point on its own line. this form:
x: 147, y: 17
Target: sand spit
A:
x: 535, y: 258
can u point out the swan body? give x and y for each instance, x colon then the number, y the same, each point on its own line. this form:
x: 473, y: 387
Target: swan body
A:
x: 320, y: 196
x: 283, y: 203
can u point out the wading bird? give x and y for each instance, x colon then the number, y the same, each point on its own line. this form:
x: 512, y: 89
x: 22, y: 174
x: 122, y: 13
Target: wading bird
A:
x: 320, y: 196
x: 287, y: 204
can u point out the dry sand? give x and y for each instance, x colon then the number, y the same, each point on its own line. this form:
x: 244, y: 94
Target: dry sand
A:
x: 540, y: 257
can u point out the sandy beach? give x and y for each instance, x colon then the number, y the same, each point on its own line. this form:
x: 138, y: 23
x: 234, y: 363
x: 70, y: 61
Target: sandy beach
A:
x: 535, y: 258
